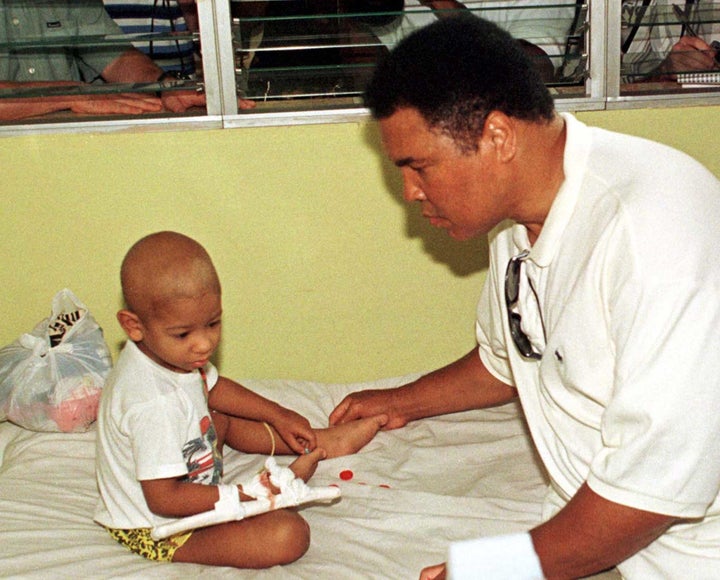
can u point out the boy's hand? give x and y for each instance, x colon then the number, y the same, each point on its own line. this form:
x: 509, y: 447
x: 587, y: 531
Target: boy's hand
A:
x: 295, y: 431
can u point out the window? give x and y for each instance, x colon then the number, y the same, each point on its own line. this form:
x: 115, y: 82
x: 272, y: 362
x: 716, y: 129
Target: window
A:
x: 304, y: 61
x: 664, y: 51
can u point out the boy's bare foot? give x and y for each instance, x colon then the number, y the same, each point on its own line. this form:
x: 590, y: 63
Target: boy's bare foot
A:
x: 349, y: 437
x: 305, y: 465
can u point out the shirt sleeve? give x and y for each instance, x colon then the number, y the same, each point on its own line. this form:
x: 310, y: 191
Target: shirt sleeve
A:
x: 160, y: 430
x: 91, y: 19
x: 661, y: 428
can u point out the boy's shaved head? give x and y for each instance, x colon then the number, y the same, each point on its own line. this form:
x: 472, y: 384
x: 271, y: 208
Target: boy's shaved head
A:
x: 163, y: 266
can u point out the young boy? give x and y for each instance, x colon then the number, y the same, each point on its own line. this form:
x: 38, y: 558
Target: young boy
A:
x: 165, y: 415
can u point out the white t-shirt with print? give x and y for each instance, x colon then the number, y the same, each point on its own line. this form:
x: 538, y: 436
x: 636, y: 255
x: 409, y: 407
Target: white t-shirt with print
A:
x: 153, y: 423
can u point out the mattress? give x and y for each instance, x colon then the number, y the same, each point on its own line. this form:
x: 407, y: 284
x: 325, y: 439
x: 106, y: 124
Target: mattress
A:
x: 405, y: 496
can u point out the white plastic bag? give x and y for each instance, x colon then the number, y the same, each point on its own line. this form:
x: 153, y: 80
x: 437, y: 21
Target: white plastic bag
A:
x: 51, y: 379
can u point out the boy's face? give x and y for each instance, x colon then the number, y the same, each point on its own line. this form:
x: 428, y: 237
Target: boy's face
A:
x: 181, y: 334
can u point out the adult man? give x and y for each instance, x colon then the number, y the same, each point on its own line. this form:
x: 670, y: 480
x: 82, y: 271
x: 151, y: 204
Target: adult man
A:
x: 599, y: 310
x: 543, y: 27
x: 60, y: 46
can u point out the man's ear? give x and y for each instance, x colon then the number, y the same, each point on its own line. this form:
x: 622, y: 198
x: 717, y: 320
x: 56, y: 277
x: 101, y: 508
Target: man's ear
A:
x: 131, y: 324
x: 500, y: 133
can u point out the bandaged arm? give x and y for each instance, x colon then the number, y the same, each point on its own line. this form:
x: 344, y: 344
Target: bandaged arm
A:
x: 293, y: 492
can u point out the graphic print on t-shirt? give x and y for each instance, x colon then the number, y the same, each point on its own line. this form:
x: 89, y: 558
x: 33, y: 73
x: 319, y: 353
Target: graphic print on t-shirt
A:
x: 202, y: 457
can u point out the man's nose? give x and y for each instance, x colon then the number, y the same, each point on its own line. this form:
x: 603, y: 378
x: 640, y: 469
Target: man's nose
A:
x: 412, y: 191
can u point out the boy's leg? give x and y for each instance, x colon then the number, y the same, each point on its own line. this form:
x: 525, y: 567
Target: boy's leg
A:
x: 253, y: 437
x: 350, y: 437
x: 274, y: 538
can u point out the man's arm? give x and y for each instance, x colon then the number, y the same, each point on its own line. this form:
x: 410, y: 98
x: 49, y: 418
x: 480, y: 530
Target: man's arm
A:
x: 591, y: 534
x: 463, y: 385
x: 689, y: 54
x: 98, y: 104
x: 130, y: 67
x: 135, y: 67
x: 189, y: 11
x: 443, y: 4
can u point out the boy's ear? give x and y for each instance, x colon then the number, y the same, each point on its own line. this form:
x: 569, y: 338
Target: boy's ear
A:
x: 131, y: 324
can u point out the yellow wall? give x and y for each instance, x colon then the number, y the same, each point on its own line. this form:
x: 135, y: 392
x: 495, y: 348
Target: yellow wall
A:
x: 327, y: 275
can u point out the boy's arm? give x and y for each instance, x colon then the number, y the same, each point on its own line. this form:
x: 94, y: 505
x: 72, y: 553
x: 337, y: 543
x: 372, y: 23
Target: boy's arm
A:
x: 231, y: 398
x: 172, y: 498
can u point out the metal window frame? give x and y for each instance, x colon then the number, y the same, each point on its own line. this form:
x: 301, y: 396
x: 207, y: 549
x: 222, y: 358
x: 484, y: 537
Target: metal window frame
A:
x: 602, y: 87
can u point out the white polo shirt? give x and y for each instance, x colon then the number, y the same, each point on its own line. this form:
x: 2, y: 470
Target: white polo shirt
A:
x: 627, y: 393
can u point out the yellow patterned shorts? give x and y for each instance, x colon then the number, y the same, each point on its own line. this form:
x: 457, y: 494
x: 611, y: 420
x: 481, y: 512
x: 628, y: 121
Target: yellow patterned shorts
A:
x: 138, y: 540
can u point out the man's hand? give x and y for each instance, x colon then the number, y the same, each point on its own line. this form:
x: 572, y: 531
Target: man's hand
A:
x: 181, y: 101
x: 689, y: 54
x: 436, y: 572
x: 368, y: 403
x: 115, y: 104
x: 460, y: 386
x: 93, y: 104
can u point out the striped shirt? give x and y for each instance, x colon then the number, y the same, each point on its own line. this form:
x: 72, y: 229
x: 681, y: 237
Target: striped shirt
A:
x: 159, y: 19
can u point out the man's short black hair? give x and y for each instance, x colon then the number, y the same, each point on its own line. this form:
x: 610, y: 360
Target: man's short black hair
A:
x: 456, y: 71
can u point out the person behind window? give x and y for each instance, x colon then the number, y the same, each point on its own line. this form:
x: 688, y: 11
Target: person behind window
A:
x: 59, y: 76
x: 162, y: 18
x: 542, y: 29
x: 252, y: 31
x: 657, y: 44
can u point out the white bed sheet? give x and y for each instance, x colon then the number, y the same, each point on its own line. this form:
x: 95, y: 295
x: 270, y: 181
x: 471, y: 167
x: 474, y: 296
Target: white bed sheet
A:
x: 414, y: 490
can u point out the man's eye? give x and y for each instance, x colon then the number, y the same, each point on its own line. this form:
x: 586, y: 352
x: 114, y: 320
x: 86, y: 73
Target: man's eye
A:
x: 182, y: 335
x: 215, y: 323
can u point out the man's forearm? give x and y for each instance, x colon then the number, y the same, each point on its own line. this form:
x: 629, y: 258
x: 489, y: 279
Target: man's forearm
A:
x: 591, y: 534
x: 132, y: 67
x: 444, y: 4
x: 21, y: 108
x: 189, y: 11
x: 462, y: 385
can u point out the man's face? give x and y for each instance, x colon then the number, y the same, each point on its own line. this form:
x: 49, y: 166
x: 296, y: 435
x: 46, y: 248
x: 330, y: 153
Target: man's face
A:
x: 457, y: 190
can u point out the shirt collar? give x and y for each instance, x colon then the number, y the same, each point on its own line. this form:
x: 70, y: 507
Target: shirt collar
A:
x: 575, y: 158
